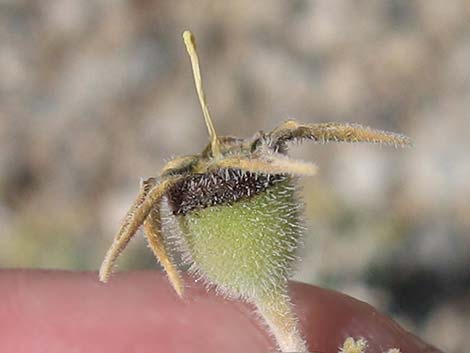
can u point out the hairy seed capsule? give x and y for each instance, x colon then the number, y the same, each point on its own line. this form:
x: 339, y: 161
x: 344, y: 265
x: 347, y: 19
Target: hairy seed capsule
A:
x: 241, y: 229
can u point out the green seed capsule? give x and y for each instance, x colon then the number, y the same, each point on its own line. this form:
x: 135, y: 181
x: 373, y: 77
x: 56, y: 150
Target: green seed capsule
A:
x: 243, y: 235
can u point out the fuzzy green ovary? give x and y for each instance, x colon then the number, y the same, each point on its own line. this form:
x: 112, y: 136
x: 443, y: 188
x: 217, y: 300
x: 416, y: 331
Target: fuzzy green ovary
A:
x: 246, y: 248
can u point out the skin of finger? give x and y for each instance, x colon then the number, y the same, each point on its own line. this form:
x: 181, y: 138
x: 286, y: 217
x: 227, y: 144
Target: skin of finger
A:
x: 58, y: 311
x: 330, y: 317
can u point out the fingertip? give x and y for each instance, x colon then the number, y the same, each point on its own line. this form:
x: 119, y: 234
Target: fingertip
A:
x: 328, y: 318
x: 140, y: 311
x: 137, y: 311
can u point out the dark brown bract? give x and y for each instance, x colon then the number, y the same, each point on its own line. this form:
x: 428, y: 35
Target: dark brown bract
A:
x: 223, y: 186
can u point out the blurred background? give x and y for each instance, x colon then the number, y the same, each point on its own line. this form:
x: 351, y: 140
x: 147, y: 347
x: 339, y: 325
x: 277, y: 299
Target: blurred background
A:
x: 96, y: 94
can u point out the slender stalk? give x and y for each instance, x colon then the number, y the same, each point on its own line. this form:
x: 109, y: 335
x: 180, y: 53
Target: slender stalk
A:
x: 276, y: 310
